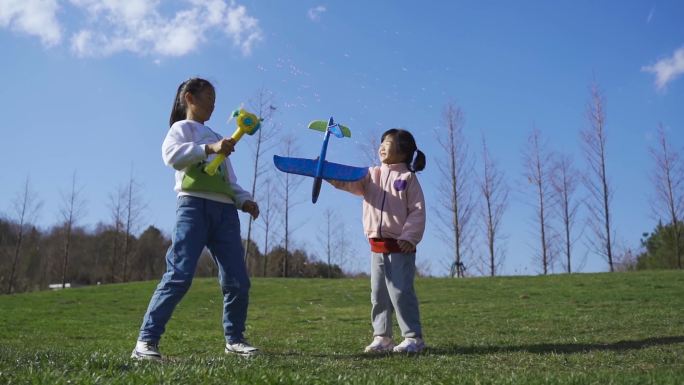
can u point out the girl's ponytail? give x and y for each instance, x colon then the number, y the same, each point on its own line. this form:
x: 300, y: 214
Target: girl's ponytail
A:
x: 178, y: 110
x: 418, y: 161
x: 193, y: 86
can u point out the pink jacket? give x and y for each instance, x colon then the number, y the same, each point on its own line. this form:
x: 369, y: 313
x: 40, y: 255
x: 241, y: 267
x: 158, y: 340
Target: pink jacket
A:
x: 393, y: 202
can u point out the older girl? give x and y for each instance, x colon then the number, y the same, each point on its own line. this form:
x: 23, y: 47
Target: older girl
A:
x: 206, y: 215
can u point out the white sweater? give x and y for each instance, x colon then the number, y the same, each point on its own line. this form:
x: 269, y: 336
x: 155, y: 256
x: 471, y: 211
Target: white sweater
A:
x: 184, y: 146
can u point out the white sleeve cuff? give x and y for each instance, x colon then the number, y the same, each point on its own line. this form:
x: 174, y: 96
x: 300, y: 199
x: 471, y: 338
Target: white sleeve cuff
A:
x: 203, y: 147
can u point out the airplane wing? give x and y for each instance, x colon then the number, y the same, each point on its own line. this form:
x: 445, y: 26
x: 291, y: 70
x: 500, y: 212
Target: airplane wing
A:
x: 342, y: 172
x: 299, y: 166
x: 307, y: 167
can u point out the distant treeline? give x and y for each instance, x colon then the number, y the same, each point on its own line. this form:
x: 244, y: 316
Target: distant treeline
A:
x: 34, y: 259
x: 105, y: 255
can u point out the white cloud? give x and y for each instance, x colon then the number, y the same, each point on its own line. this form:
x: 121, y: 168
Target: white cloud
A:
x: 216, y: 10
x: 138, y: 26
x: 243, y: 28
x: 668, y: 69
x: 143, y: 27
x: 120, y: 11
x: 316, y: 12
x: 178, y: 37
x: 33, y: 17
x: 81, y: 40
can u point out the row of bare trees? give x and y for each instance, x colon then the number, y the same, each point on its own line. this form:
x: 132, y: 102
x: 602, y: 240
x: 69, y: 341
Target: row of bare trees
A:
x: 71, y: 255
x: 459, y: 202
x: 90, y: 257
x: 469, y: 200
x: 126, y: 208
x: 92, y: 261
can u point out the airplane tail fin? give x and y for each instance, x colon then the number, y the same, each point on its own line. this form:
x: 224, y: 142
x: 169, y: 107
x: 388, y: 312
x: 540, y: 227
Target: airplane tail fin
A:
x: 322, y: 125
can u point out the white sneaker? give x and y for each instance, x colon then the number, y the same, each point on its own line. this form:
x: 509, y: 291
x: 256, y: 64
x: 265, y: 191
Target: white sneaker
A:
x: 242, y: 348
x: 146, y: 350
x: 410, y: 345
x: 380, y: 344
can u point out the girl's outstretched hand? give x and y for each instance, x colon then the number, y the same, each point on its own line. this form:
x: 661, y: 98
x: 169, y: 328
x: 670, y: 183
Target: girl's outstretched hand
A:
x: 251, y: 208
x: 405, y: 246
x: 223, y: 146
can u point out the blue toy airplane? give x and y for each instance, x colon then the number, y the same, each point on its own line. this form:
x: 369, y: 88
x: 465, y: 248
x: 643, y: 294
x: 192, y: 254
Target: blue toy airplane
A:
x: 319, y: 168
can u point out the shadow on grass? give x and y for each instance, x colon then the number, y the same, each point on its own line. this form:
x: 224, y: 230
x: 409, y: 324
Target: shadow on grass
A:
x: 559, y: 348
x: 463, y: 350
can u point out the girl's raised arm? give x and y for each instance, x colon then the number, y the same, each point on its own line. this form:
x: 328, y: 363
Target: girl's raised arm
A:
x: 357, y: 188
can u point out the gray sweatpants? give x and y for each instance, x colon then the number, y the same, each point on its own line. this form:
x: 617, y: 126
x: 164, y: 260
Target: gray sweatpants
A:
x: 392, y: 277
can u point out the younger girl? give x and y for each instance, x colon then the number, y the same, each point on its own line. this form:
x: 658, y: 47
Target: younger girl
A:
x: 206, y: 215
x: 394, y: 222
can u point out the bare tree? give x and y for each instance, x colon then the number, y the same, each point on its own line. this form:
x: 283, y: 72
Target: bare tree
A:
x: 26, y: 206
x: 263, y: 105
x: 455, y: 196
x: 565, y: 180
x: 326, y: 237
x: 73, y: 207
x: 268, y: 217
x: 538, y: 162
x: 668, y: 182
x: 133, y: 208
x: 334, y: 241
x: 116, y: 207
x: 495, y: 193
x: 596, y: 181
x: 289, y: 183
x: 342, y: 245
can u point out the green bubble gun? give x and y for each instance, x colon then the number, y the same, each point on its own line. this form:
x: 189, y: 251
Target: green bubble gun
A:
x: 247, y: 123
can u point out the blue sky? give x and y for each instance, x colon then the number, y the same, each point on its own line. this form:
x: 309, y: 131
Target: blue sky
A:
x: 88, y: 88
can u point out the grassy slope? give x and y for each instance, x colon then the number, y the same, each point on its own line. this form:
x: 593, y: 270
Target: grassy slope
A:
x: 591, y: 328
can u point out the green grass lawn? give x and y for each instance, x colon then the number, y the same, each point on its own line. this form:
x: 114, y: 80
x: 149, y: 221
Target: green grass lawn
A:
x: 621, y: 328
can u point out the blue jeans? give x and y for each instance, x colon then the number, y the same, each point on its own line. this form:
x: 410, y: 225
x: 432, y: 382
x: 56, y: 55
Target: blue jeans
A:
x: 199, y: 223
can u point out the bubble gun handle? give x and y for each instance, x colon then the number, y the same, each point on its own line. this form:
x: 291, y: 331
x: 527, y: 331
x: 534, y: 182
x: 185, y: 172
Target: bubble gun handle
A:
x: 247, y: 123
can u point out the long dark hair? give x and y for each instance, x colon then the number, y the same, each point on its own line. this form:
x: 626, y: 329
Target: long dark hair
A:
x: 193, y: 86
x: 407, y: 147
